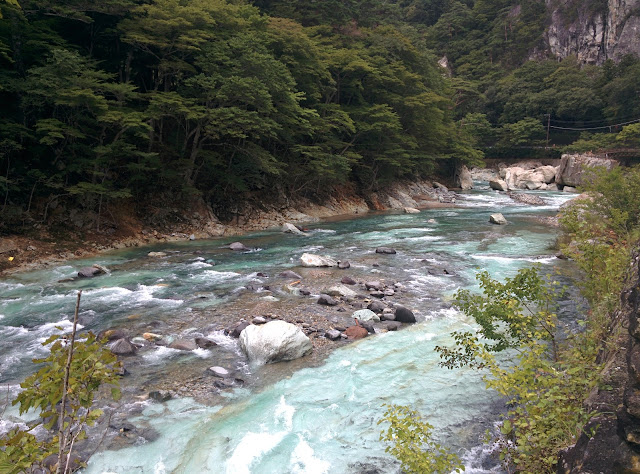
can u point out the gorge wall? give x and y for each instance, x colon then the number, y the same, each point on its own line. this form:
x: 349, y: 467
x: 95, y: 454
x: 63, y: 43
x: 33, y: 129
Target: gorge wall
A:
x: 594, y: 30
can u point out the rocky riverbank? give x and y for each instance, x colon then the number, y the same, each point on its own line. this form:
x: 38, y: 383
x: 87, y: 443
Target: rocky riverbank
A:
x: 43, y: 247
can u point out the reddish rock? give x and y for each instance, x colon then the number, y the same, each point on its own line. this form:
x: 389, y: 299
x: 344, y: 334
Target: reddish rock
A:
x: 356, y: 332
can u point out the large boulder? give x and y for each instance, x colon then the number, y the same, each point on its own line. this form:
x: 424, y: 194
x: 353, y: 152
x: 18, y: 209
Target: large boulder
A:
x: 548, y: 173
x: 498, y: 185
x: 365, y: 315
x: 274, y: 342
x: 312, y: 260
x: 464, y: 180
x: 572, y: 168
x: 356, y: 332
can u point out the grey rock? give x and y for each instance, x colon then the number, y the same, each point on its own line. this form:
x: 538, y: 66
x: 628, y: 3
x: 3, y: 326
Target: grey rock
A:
x: 373, y: 285
x: 238, y: 328
x: 258, y: 320
x: 392, y: 325
x: 204, y: 343
x: 498, y: 185
x: 497, y: 218
x: 123, y: 347
x: 327, y: 300
x: 348, y: 281
x: 160, y: 395
x: 290, y: 274
x: 332, y: 334
x: 344, y: 264
x: 238, y: 246
x: 386, y: 250
x: 156, y: 254
x: 312, y: 260
x: 376, y: 306
x: 183, y: 345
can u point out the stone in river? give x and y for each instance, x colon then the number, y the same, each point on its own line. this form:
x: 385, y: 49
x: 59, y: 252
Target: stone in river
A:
x: 160, y: 395
x: 411, y: 210
x: 156, y: 254
x: 88, y: 272
x: 327, y: 300
x: 333, y: 334
x: 183, y: 345
x: 348, y: 281
x: 386, y: 250
x: 404, y: 315
x: 237, y: 329
x: 365, y: 315
x: 152, y: 337
x: 218, y: 371
x: 344, y: 264
x: 290, y: 274
x: 497, y: 219
x: 377, y: 294
x: 258, y: 320
x: 204, y: 343
x: 238, y: 246
x: 113, y: 334
x: 392, y: 325
x: 498, y: 185
x: 373, y: 285
x: 312, y: 260
x: 274, y: 342
x: 287, y: 227
x: 123, y: 347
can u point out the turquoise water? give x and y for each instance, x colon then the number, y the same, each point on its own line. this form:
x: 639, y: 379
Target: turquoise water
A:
x: 290, y: 419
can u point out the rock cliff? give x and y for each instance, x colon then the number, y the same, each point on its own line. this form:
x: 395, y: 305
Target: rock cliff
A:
x: 594, y: 30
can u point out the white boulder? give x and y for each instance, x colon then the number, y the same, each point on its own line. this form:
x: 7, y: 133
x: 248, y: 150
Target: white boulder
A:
x: 274, y: 341
x: 497, y: 219
x: 411, y: 210
x: 365, y: 315
x: 340, y: 290
x: 289, y: 228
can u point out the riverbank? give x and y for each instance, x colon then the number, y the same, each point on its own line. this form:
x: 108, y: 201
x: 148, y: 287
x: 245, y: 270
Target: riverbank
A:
x: 47, y: 246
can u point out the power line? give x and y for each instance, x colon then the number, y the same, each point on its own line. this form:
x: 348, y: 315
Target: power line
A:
x: 595, y: 128
x: 585, y: 122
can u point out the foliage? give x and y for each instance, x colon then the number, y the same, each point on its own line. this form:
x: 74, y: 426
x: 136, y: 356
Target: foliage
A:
x: 92, y: 366
x: 544, y: 380
x: 410, y: 440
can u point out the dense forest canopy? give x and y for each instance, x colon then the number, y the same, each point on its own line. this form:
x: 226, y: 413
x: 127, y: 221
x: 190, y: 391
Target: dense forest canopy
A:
x: 220, y: 100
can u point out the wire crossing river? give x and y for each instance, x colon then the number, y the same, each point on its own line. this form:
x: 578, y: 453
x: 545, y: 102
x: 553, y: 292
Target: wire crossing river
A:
x: 318, y: 414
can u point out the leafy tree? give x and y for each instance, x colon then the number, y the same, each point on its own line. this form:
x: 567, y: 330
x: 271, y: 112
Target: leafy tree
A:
x: 410, y: 440
x: 62, y: 391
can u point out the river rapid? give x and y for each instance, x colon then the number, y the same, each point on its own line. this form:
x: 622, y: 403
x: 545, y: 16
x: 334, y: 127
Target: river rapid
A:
x: 318, y: 414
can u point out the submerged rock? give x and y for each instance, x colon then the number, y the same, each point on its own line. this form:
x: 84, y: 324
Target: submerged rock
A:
x: 204, y: 343
x: 218, y: 371
x: 274, y: 342
x: 312, y: 260
x: 156, y: 254
x: 343, y: 264
x: 94, y: 270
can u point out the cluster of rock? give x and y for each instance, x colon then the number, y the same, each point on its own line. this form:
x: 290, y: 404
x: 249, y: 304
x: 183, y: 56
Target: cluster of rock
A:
x: 533, y: 175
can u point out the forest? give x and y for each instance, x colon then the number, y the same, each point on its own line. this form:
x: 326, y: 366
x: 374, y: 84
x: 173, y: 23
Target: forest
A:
x: 151, y: 102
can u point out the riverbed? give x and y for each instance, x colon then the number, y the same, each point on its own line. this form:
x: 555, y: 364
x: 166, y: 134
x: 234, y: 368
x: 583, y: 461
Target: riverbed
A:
x: 318, y: 414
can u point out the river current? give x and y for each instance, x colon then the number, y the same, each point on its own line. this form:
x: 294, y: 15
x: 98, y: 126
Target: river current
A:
x: 314, y: 416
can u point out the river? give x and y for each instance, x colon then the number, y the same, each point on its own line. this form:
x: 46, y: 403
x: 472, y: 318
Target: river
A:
x: 315, y: 415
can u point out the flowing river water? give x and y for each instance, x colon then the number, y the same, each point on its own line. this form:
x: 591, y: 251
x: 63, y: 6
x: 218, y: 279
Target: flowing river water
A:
x: 315, y: 415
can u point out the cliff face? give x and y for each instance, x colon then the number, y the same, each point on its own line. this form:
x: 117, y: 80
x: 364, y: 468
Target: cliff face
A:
x: 594, y: 30
x: 611, y: 442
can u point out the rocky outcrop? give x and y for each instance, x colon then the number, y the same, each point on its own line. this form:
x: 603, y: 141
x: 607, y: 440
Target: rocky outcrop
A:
x: 572, y: 167
x: 594, y: 31
x: 274, y: 342
x: 611, y: 440
x: 463, y: 178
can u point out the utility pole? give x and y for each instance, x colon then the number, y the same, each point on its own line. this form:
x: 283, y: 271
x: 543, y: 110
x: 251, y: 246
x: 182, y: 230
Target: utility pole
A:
x: 548, y: 126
